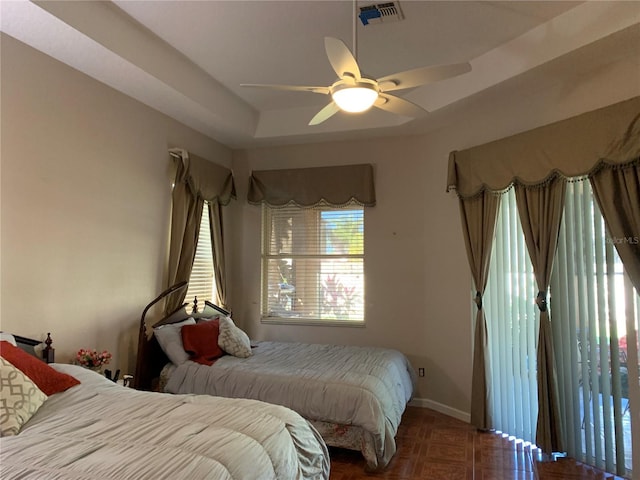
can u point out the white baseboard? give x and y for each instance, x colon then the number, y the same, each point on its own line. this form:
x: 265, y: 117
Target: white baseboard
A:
x: 439, y: 407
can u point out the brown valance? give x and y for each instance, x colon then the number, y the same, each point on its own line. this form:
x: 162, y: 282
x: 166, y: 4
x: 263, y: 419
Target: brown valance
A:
x: 307, y: 187
x: 574, y: 147
x: 205, y: 179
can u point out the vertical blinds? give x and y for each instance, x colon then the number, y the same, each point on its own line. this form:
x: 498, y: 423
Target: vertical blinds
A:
x: 590, y: 303
x: 313, y: 262
x: 594, y: 317
x: 513, y: 321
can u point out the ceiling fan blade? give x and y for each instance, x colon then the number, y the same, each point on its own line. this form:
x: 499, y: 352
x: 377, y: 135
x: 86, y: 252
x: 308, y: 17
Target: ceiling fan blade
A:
x: 341, y: 59
x: 295, y: 88
x: 327, y: 112
x: 399, y: 106
x: 422, y: 76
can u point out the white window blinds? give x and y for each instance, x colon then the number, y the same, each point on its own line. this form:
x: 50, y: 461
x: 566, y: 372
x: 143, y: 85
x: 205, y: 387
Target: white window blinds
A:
x: 312, y: 264
x: 202, y: 280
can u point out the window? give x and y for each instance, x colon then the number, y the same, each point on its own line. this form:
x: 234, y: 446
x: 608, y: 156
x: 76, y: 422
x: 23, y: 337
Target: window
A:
x: 202, y: 282
x: 313, y: 264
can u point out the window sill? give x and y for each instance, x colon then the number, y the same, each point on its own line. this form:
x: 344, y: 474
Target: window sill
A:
x: 312, y: 322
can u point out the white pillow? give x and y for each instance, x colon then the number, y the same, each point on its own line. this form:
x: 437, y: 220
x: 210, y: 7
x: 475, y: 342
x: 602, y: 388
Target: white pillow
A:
x: 233, y: 340
x: 170, y: 339
x: 7, y: 337
x: 21, y: 399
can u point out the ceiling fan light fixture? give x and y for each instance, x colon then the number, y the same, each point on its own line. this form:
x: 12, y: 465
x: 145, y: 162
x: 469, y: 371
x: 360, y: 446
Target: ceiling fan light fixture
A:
x: 355, y: 98
x: 355, y: 93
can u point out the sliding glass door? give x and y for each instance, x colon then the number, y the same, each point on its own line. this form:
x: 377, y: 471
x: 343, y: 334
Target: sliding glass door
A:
x: 594, y: 317
x: 512, y: 327
x: 589, y: 304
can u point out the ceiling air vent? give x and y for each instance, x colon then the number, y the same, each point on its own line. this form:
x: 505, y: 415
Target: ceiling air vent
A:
x: 380, y: 13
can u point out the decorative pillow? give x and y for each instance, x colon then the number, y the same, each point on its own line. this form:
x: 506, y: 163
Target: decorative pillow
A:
x: 233, y: 340
x: 7, y: 337
x: 170, y: 340
x: 201, y: 341
x: 20, y: 399
x: 47, y: 379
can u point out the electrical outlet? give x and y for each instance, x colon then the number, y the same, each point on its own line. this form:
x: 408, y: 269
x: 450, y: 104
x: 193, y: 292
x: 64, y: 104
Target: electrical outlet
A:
x: 421, y: 372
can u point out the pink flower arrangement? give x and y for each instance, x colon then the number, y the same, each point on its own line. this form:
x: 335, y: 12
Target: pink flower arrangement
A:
x: 92, y: 358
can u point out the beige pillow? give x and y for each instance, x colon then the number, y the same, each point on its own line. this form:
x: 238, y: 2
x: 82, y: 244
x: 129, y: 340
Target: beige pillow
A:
x: 233, y: 340
x: 20, y: 399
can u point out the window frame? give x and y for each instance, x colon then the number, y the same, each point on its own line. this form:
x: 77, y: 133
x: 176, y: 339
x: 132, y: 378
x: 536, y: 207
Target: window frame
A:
x: 265, y: 257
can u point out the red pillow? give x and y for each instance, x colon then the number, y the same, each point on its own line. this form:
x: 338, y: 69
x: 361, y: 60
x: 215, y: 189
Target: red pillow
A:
x: 200, y: 341
x: 47, y: 379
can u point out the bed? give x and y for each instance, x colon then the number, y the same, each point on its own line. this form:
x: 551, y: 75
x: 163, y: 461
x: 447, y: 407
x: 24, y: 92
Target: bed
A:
x: 354, y: 396
x: 99, y: 429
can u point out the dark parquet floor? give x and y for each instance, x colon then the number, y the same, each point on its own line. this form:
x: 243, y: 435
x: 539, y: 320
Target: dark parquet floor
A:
x: 432, y: 446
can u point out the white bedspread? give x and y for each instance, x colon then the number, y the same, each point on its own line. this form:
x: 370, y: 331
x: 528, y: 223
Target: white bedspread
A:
x: 362, y: 386
x: 100, y: 430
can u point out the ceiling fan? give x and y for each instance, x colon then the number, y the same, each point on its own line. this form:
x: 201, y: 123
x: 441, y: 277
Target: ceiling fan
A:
x: 354, y: 92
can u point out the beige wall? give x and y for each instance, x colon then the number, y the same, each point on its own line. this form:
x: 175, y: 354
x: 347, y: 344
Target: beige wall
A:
x: 86, y: 184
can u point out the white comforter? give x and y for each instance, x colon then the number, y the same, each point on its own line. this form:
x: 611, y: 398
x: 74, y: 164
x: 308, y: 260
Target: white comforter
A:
x: 362, y: 386
x: 100, y: 430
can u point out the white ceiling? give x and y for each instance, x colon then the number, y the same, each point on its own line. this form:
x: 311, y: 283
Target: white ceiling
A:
x: 188, y: 58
